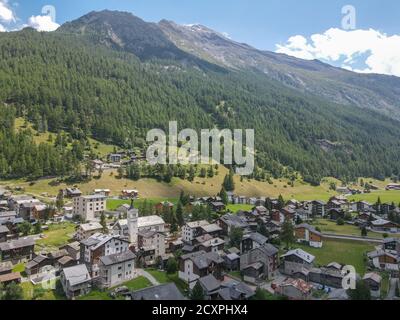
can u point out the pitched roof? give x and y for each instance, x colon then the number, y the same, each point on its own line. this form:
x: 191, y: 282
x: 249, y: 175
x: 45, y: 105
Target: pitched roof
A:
x: 210, y: 283
x: 91, y: 226
x: 10, y: 277
x: 167, y: 291
x: 16, y: 244
x: 373, y: 276
x: 256, y: 237
x: 117, y: 258
x: 203, y: 259
x: 299, y: 284
x: 77, y: 274
x: 309, y: 228
x: 268, y: 249
x: 300, y: 254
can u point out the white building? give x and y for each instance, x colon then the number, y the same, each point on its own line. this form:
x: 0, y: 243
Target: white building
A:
x: 191, y: 230
x: 116, y: 269
x: 153, y: 240
x: 89, y: 207
x: 155, y: 223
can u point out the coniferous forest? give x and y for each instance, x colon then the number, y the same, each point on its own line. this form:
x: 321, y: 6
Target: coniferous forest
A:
x: 66, y: 82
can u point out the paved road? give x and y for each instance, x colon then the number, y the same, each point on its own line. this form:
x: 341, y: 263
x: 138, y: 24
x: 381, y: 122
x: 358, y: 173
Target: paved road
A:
x: 347, y: 237
x: 144, y: 273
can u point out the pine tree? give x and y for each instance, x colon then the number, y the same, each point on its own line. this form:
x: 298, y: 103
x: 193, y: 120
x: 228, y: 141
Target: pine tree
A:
x: 223, y: 196
x: 197, y: 292
x: 287, y: 233
x: 103, y: 222
x: 179, y: 214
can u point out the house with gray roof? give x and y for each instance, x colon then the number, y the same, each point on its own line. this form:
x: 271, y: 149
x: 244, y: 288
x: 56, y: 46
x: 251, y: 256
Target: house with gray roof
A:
x: 116, y: 269
x: 259, y: 263
x: 229, y: 221
x: 252, y: 240
x: 17, y: 250
x: 76, y: 281
x: 193, y: 266
x: 295, y: 260
x: 3, y: 233
x: 168, y: 291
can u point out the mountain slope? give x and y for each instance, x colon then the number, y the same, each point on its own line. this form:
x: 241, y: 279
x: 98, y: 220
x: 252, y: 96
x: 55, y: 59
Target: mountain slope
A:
x: 377, y: 92
x: 72, y: 82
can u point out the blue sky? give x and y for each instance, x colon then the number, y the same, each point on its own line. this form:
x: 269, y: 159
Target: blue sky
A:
x: 261, y: 23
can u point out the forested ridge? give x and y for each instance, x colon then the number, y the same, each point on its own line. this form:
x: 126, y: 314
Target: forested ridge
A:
x: 66, y: 82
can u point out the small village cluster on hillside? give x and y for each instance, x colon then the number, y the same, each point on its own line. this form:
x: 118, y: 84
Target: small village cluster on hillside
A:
x: 212, y: 254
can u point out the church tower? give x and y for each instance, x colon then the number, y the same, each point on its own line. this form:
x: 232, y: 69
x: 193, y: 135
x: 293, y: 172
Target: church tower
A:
x: 132, y: 217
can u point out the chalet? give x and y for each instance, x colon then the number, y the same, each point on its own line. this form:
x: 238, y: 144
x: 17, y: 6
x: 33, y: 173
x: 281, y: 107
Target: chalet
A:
x: 317, y: 208
x: 99, y: 245
x: 195, y: 265
x: 73, y: 250
x: 303, y: 214
x: 217, y: 206
x: 295, y: 289
x: 384, y: 225
x: 229, y: 221
x: 210, y: 286
x: 3, y: 233
x: 391, y: 244
x: 102, y: 192
x: 56, y: 256
x: 251, y: 241
x: 8, y: 278
x: 326, y: 276
x: 72, y: 192
x: 277, y: 216
x: 373, y: 280
x: 130, y: 193
x: 114, y: 157
x: 306, y: 233
x: 335, y: 214
x: 235, y: 290
x: 7, y: 216
x: 383, y: 260
x: 232, y: 261
x: 393, y: 186
x: 88, y: 229
x: 76, y: 281
x: 259, y: 263
x: 162, y: 206
x: 273, y: 227
x: 36, y: 264
x: 17, y: 250
x: 66, y: 262
x: 296, y: 260
x: 168, y: 291
x: 288, y: 213
x: 260, y: 210
x: 116, y: 268
x: 363, y: 206
x: 367, y: 216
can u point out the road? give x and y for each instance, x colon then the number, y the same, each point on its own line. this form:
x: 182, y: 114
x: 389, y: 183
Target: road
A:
x: 354, y: 238
x: 147, y: 275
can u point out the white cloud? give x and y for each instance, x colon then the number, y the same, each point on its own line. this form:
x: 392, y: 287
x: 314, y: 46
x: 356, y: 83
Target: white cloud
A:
x: 378, y: 51
x: 6, y: 14
x: 2, y: 29
x: 42, y: 23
